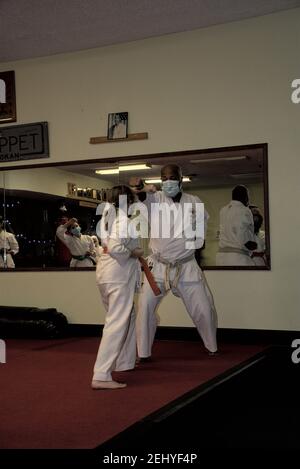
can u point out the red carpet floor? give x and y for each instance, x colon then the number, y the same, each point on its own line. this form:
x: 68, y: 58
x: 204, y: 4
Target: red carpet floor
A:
x: 47, y: 402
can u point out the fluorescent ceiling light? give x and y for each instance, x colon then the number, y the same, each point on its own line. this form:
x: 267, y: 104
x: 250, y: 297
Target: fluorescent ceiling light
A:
x: 107, y: 171
x: 153, y: 181
x: 134, y: 167
x: 129, y: 167
x: 216, y: 159
x: 158, y: 180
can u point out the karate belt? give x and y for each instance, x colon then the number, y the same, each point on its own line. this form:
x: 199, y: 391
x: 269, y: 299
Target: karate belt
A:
x: 82, y: 258
x: 234, y: 250
x: 3, y: 253
x: 170, y: 265
x: 150, y: 278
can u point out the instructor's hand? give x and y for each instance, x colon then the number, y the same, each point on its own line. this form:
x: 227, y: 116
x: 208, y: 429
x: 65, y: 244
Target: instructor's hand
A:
x: 137, y: 185
x: 71, y: 222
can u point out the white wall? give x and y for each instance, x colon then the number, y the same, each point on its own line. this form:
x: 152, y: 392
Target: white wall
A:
x: 221, y: 86
x: 48, y: 181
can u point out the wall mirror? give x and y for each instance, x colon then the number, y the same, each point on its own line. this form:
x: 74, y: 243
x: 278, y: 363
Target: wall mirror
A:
x: 35, y: 199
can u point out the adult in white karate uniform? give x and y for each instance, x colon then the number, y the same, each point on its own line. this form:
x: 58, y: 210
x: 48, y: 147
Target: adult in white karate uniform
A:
x: 80, y: 246
x: 117, y: 276
x: 259, y: 254
x: 174, y: 266
x: 237, y: 239
x: 8, y: 247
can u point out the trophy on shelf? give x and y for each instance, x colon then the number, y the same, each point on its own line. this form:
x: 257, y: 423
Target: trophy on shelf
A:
x: 72, y: 189
x: 102, y: 195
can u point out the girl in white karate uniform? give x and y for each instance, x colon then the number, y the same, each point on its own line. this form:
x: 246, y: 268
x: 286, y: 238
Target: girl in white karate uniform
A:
x: 81, y: 246
x: 117, y: 276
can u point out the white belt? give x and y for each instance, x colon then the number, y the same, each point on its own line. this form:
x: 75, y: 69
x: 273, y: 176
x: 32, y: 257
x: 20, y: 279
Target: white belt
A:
x: 170, y: 265
x: 235, y: 250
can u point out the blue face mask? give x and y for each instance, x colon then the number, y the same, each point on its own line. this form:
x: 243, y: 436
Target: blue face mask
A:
x: 171, y: 188
x: 76, y: 231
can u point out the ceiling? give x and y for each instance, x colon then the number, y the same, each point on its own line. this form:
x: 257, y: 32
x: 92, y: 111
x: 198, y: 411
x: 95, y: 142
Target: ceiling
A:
x: 35, y: 28
x: 220, y: 170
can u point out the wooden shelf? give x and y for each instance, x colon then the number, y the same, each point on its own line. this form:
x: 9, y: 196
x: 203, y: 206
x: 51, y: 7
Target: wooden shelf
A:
x: 84, y: 199
x: 139, y: 136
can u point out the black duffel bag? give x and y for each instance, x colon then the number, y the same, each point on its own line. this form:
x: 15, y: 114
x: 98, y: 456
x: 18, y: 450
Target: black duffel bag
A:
x: 29, y: 322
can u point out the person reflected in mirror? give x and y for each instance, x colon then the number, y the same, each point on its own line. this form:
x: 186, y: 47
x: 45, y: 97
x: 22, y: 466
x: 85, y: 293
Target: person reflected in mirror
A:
x: 80, y: 246
x: 174, y: 266
x: 9, y: 247
x: 62, y: 253
x: 117, y: 276
x: 236, y: 238
x: 259, y: 254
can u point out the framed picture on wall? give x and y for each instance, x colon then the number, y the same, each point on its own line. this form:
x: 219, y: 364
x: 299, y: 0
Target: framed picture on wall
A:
x: 117, y: 125
x: 7, y: 97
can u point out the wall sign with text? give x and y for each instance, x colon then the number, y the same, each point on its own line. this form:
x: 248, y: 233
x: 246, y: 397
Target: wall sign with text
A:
x: 7, y: 97
x: 24, y: 142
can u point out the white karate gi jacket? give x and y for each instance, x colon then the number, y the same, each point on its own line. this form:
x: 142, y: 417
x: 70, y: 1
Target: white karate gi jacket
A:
x: 117, y: 265
x: 9, y: 242
x: 77, y: 246
x: 236, y: 229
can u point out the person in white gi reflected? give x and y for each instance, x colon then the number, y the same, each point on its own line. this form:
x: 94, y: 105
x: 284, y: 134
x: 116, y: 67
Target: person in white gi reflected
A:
x: 9, y: 246
x: 117, y: 276
x: 237, y: 238
x: 81, y: 246
x: 174, y: 266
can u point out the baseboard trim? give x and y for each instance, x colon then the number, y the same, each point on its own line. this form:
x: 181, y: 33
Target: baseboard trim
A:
x: 241, y: 336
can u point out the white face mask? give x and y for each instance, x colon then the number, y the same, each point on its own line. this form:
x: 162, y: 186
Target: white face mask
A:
x: 171, y: 188
x: 76, y: 231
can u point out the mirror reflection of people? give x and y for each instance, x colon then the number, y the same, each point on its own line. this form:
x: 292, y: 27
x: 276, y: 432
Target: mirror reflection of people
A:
x: 117, y: 276
x: 9, y: 246
x: 174, y: 267
x: 80, y: 246
x: 62, y: 253
x: 259, y: 254
x: 237, y: 238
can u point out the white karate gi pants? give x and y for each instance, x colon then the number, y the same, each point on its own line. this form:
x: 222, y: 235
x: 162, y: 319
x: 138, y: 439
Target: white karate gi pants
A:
x: 197, y: 299
x: 117, y: 350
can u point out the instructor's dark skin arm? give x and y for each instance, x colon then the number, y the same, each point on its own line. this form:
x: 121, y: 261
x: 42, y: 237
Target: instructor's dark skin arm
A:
x: 139, y: 188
